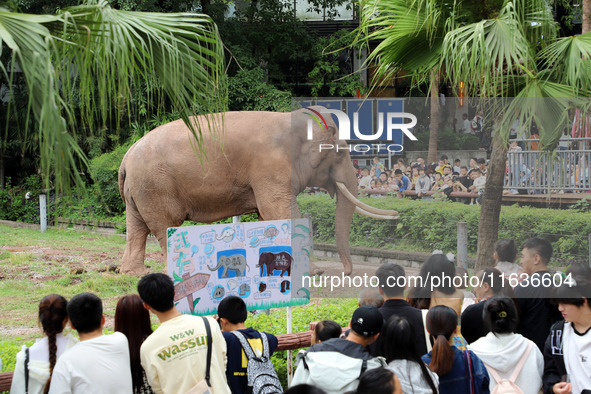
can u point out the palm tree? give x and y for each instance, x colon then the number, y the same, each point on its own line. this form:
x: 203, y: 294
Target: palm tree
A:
x: 497, y: 49
x: 81, y: 67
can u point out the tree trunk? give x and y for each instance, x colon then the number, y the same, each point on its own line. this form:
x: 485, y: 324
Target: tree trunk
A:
x: 586, y: 16
x: 2, y: 171
x: 434, y: 124
x: 488, y: 225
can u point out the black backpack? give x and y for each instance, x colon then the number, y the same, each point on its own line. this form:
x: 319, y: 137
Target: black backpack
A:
x: 260, y: 372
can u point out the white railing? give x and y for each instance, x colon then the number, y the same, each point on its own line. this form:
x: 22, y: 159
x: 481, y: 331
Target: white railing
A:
x: 537, y: 172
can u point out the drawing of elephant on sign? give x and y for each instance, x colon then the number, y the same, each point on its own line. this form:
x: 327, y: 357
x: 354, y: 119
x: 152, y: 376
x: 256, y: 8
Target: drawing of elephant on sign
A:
x: 236, y: 263
x: 275, y: 261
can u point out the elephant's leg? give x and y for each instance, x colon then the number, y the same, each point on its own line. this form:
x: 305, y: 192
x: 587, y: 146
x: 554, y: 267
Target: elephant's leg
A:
x: 158, y: 226
x: 295, y: 214
x: 272, y: 207
x: 135, y: 248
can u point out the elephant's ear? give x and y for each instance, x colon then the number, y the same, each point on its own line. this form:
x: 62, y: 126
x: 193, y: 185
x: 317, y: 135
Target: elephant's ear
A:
x: 323, y: 137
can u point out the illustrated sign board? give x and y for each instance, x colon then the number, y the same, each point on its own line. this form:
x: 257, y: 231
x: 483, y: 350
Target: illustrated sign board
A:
x: 262, y: 262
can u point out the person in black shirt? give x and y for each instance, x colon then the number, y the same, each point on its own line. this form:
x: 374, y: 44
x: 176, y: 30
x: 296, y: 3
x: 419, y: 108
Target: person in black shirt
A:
x: 490, y: 284
x: 538, y: 314
x: 395, y: 304
x: 231, y: 316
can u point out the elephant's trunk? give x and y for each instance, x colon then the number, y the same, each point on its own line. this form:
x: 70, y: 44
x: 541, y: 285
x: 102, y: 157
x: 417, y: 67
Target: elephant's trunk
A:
x: 216, y: 267
x: 344, y: 217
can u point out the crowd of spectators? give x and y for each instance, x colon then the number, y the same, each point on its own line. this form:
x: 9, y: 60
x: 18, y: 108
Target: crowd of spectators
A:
x: 442, y: 178
x: 529, y: 173
x: 399, y: 340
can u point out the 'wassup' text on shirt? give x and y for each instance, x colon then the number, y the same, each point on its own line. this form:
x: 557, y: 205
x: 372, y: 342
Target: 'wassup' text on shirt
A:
x: 189, y: 341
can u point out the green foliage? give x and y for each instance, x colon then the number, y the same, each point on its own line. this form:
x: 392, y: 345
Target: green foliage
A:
x: 331, y: 75
x: 104, y: 170
x: 266, y: 34
x: 583, y: 205
x: 446, y: 140
x: 128, y: 63
x: 13, y: 202
x: 83, y: 204
x: 339, y: 310
x: 433, y: 225
x: 248, y: 91
x: 8, y: 351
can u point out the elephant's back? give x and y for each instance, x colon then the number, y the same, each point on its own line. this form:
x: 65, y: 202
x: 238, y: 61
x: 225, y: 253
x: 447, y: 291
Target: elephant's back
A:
x: 168, y: 161
x: 238, y: 129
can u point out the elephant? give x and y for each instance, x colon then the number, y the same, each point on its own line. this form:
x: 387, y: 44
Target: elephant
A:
x: 236, y: 263
x: 253, y: 162
x: 275, y: 261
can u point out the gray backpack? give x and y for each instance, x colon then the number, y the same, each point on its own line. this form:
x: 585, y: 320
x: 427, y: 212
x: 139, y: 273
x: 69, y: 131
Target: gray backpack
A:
x: 260, y: 372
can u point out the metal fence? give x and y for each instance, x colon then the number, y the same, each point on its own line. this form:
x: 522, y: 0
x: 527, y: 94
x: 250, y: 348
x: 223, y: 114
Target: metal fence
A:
x: 535, y: 172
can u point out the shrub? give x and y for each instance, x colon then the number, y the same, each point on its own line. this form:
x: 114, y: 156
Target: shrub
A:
x: 14, y: 204
x: 433, y: 225
x: 339, y: 310
x: 104, y: 170
x: 248, y: 91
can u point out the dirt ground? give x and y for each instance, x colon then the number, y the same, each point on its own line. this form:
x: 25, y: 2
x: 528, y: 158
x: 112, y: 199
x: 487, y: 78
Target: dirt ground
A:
x: 74, y: 260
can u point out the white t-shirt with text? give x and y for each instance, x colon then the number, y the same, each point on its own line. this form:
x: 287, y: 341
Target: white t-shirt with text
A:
x: 98, y: 365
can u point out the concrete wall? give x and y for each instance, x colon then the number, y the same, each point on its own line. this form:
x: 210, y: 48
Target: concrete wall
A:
x: 378, y: 256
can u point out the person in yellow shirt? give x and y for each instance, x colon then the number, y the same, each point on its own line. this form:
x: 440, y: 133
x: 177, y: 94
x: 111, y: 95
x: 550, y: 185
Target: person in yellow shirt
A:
x: 175, y: 355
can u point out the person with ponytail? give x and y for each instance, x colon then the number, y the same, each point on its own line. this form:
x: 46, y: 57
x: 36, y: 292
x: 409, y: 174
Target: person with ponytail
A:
x: 53, y: 317
x: 506, y: 353
x: 400, y: 350
x: 460, y: 372
x: 133, y: 320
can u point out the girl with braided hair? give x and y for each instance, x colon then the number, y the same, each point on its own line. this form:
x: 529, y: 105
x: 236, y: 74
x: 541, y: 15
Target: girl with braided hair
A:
x: 42, y: 356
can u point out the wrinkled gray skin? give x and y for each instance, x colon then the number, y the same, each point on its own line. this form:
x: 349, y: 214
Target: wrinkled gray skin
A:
x: 236, y: 263
x: 265, y: 160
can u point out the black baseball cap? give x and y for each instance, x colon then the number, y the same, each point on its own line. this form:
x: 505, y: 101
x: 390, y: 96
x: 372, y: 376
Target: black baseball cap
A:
x: 367, y: 321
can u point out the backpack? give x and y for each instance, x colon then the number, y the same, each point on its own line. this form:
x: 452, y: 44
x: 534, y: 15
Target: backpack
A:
x: 508, y: 386
x: 260, y: 373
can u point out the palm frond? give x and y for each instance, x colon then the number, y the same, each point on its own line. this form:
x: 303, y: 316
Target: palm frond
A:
x: 103, y: 55
x: 569, y: 61
x: 29, y: 41
x: 483, y: 54
x: 546, y: 102
x: 409, y: 35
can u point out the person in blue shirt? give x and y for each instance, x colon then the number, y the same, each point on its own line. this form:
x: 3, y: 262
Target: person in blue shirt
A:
x: 460, y: 372
x: 402, y: 182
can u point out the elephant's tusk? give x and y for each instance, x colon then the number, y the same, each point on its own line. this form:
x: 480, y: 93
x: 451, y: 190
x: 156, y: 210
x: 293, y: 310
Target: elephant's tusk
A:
x: 363, y: 206
x: 374, y: 215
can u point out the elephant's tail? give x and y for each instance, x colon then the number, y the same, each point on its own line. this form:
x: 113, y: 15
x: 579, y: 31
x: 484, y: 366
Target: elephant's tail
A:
x: 123, y: 174
x: 121, y: 179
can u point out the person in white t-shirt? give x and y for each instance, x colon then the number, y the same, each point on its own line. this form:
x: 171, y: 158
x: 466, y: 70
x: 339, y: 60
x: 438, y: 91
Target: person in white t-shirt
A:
x: 174, y: 357
x: 567, y: 351
x: 99, y: 363
x: 365, y: 182
x: 467, y: 125
x: 53, y: 318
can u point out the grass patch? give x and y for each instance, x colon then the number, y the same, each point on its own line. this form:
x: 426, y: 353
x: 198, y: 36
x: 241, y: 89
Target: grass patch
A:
x: 33, y: 265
